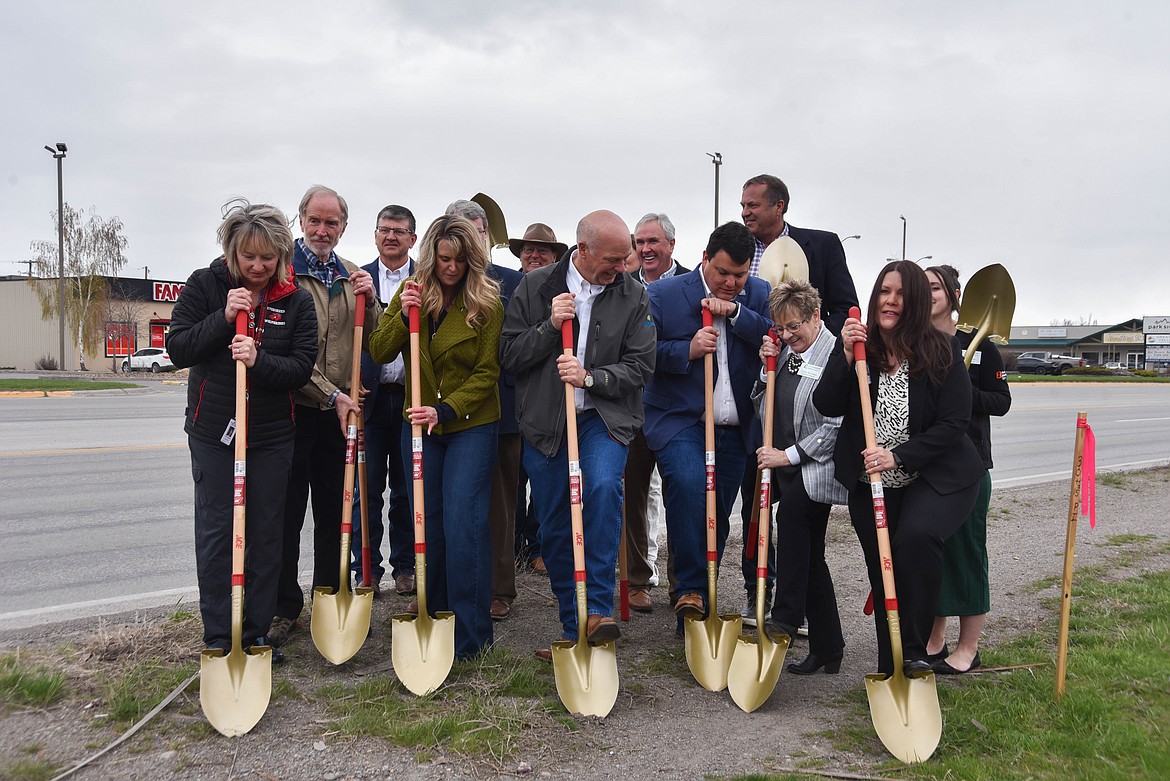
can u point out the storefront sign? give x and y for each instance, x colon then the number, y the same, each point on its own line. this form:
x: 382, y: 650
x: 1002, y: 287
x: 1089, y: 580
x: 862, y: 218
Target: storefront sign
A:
x: 1124, y: 337
x: 169, y: 291
x: 1156, y: 325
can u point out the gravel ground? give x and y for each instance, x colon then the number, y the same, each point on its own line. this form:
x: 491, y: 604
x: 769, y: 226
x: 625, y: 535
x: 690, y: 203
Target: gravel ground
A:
x: 664, y: 726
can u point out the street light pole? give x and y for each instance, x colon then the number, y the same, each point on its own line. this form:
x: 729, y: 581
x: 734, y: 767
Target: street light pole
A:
x: 903, y: 237
x: 59, y: 155
x: 854, y: 236
x: 717, y: 159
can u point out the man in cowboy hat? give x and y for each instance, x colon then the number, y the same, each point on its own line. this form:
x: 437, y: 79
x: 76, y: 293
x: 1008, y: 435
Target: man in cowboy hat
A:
x: 538, y: 247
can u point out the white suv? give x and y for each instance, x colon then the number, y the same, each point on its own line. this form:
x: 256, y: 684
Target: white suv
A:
x: 154, y: 358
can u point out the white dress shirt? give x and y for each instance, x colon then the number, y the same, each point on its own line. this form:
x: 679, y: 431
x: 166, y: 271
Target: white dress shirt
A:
x: 724, y: 401
x: 584, y: 294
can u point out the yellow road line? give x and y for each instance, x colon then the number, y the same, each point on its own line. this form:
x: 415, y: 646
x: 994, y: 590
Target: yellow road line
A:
x: 82, y: 450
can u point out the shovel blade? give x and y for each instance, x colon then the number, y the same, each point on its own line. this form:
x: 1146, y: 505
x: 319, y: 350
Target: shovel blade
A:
x: 710, y: 645
x: 234, y: 688
x: 755, y: 669
x: 341, y: 621
x: 905, y: 714
x: 422, y: 649
x: 783, y: 261
x: 587, y: 676
x: 989, y: 300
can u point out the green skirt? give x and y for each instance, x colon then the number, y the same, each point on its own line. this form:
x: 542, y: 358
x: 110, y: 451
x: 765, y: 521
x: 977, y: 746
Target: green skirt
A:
x: 965, y: 588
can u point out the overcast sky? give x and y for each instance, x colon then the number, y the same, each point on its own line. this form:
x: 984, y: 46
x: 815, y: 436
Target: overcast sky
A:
x: 1032, y: 134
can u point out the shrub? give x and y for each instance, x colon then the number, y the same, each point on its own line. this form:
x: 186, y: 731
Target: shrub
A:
x: 1144, y: 372
x: 1095, y: 371
x: 46, y: 363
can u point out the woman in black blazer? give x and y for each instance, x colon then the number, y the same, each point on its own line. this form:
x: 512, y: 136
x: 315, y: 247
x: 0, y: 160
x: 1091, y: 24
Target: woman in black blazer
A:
x: 930, y: 470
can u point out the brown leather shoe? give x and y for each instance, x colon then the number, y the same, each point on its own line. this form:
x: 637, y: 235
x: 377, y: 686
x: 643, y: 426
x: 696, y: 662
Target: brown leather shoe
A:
x: 640, y: 600
x: 412, y: 608
x: 602, y: 629
x: 689, y: 605
x: 404, y: 583
x: 544, y: 654
x: 538, y: 566
x: 500, y: 609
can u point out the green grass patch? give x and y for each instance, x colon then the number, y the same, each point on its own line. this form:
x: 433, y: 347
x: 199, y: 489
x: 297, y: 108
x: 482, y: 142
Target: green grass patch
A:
x: 26, y: 769
x: 1115, y: 479
x: 22, y: 683
x: 1118, y: 540
x: 62, y: 385
x: 482, y: 710
x: 664, y: 661
x: 130, y: 695
x: 1110, y: 723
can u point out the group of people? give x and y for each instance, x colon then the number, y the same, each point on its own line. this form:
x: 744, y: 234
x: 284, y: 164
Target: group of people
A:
x: 492, y: 372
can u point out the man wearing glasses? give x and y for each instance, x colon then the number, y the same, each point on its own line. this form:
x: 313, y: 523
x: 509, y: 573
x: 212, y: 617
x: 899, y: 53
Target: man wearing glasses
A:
x: 394, y: 237
x: 674, y: 397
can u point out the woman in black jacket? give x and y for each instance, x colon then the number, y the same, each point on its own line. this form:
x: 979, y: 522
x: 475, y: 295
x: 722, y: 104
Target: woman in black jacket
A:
x: 279, y: 349
x: 966, y: 589
x: 930, y: 470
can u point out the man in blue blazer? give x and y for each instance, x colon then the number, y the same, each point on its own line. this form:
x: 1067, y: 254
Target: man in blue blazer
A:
x: 382, y: 411
x: 674, y: 397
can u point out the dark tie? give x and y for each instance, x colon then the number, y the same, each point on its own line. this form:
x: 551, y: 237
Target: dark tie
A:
x: 794, y: 362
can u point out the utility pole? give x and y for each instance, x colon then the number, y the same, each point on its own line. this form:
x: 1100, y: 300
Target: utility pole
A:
x: 146, y: 272
x: 903, y: 237
x: 59, y: 155
x: 717, y: 159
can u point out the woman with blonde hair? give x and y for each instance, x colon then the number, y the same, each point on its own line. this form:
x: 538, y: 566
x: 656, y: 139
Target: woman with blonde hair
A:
x: 460, y: 317
x: 278, y: 347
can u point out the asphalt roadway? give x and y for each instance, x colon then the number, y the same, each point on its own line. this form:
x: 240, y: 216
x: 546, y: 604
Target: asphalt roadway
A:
x: 96, y: 499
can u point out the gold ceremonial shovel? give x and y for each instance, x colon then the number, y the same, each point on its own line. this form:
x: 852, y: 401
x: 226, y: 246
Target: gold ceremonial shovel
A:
x: 758, y: 661
x: 988, y: 305
x: 422, y: 648
x: 905, y: 711
x: 341, y: 621
x: 586, y: 674
x: 710, y: 642
x: 234, y: 689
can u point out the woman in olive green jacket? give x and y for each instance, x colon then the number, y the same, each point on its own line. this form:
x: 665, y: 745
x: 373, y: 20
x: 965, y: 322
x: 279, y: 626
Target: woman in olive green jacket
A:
x: 460, y: 318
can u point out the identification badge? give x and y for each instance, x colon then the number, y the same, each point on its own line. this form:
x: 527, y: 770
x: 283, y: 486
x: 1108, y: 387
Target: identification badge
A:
x: 978, y: 357
x: 229, y: 433
x: 809, y: 370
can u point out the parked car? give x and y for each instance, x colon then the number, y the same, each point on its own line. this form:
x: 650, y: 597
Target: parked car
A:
x: 1046, y: 363
x: 154, y: 358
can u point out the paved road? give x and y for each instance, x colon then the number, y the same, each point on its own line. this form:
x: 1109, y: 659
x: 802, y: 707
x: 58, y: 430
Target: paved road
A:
x: 95, y: 490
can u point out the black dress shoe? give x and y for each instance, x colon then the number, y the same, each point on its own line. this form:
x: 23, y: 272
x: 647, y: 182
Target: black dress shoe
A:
x: 778, y: 631
x: 943, y: 654
x: 942, y: 667
x: 910, y: 666
x: 812, y: 663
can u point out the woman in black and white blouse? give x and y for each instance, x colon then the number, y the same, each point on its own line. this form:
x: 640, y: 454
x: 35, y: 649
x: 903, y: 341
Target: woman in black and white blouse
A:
x: 930, y: 470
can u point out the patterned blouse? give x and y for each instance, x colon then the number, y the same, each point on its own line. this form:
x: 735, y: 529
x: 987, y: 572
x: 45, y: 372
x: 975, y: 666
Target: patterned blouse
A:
x: 891, y: 422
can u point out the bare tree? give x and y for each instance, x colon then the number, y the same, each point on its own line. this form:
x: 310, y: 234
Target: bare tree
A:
x: 94, y: 250
x: 122, y: 320
x: 1083, y: 320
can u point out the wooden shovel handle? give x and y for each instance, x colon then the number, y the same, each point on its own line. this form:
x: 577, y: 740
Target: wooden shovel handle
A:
x: 239, y: 487
x: 575, y: 485
x: 709, y: 440
x: 764, y: 505
x: 885, y: 557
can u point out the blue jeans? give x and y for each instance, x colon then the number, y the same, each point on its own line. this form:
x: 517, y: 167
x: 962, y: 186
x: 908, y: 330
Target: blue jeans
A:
x: 457, y: 470
x: 384, y: 466
x: 603, y: 459
x: 682, y: 463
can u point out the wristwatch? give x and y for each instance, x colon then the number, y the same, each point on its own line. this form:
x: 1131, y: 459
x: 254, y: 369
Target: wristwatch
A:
x: 588, y: 379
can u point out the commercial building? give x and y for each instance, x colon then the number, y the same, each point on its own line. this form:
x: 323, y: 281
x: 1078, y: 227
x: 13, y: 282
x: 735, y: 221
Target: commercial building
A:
x: 1140, y: 343
x: 135, y: 313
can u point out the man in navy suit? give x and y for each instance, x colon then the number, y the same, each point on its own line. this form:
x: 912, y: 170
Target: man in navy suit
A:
x: 382, y: 410
x: 674, y: 397
x: 764, y: 209
x: 506, y: 478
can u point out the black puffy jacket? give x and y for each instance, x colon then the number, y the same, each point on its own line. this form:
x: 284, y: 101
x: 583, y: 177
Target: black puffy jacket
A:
x: 200, y: 337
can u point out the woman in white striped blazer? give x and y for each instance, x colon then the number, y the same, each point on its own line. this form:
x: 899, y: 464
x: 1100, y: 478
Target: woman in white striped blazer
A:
x: 803, y: 478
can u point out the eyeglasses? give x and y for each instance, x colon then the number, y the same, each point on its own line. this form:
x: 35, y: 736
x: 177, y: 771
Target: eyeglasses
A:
x: 401, y: 233
x: 791, y: 327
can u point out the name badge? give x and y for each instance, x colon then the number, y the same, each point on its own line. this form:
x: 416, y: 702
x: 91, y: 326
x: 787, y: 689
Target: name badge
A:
x: 978, y: 357
x: 812, y: 371
x: 229, y: 433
